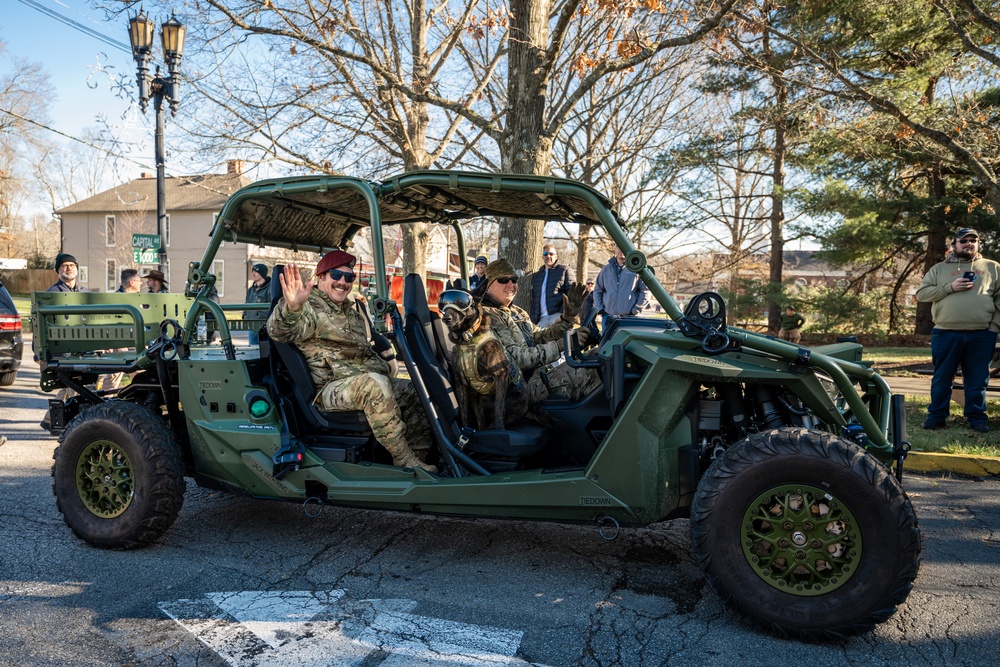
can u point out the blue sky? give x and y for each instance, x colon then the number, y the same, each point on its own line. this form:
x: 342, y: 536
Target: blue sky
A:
x: 70, y: 57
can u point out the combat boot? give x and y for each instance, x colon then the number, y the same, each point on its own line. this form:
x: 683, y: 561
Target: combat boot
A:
x: 403, y: 457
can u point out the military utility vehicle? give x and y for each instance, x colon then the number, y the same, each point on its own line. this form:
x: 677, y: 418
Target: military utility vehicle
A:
x: 788, y: 460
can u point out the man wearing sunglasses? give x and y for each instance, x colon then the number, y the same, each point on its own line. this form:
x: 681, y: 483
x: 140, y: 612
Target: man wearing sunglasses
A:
x: 335, y: 337
x: 965, y: 292
x: 548, y: 285
x: 531, y: 347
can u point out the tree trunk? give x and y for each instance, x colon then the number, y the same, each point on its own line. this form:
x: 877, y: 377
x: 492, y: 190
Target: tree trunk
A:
x: 777, y: 192
x: 525, y: 148
x: 415, y: 234
x: 937, y: 243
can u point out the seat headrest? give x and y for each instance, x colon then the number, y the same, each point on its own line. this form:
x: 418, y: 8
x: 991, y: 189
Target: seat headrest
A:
x: 276, y: 293
x: 415, y: 298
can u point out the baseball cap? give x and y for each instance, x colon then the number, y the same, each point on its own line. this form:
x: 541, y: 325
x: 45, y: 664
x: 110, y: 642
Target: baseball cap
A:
x: 965, y: 232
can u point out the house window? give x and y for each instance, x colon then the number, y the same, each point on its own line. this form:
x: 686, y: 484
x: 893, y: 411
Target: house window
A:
x: 219, y: 269
x: 166, y: 229
x: 112, y: 273
x: 109, y: 231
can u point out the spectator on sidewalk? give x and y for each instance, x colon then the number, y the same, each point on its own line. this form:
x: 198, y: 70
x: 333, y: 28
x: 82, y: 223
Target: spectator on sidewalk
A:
x: 156, y: 282
x: 131, y: 283
x: 479, y: 272
x: 791, y: 325
x: 258, y: 292
x: 68, y: 271
x: 548, y: 285
x: 617, y: 291
x: 965, y: 292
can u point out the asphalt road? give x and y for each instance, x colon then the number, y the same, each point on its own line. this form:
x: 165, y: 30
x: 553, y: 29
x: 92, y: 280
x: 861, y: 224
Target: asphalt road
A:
x: 242, y: 582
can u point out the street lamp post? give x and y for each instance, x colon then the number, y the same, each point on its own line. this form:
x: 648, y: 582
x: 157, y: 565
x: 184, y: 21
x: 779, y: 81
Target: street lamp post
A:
x: 140, y: 34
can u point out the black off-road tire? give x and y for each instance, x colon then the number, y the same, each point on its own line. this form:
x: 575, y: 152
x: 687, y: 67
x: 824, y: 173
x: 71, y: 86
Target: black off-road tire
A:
x: 805, y: 534
x: 118, y: 476
x: 7, y: 378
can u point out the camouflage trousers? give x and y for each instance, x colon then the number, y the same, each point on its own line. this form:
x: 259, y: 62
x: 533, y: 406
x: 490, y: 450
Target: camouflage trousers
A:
x: 563, y: 381
x: 391, y: 406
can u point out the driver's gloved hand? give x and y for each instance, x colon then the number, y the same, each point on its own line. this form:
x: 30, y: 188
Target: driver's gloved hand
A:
x: 583, y: 335
x: 573, y: 302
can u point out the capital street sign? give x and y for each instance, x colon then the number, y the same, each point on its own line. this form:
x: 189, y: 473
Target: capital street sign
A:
x: 146, y: 241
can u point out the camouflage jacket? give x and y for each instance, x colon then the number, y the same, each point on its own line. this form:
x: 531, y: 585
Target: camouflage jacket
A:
x: 334, y: 338
x: 529, y: 346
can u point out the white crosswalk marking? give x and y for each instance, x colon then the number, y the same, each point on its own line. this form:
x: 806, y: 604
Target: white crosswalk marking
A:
x: 301, y: 628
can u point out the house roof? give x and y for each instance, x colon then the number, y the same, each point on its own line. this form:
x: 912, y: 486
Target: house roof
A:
x: 191, y: 193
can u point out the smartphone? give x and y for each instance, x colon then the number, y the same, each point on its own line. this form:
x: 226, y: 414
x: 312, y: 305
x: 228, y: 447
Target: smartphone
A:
x: 970, y: 276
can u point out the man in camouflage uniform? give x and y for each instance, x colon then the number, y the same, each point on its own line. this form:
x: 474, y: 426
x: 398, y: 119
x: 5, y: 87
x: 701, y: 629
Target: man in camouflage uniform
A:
x: 326, y: 325
x: 532, y: 348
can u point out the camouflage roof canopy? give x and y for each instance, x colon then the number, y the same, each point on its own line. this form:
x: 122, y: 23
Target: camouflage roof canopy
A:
x: 327, y: 211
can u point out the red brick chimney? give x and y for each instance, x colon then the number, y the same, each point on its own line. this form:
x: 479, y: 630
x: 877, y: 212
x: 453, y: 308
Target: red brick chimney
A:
x: 234, y: 167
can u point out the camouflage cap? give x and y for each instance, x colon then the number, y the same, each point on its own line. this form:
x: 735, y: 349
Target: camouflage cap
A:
x: 498, y: 268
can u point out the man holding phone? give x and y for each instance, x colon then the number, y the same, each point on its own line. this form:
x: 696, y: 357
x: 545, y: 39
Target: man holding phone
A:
x: 965, y: 292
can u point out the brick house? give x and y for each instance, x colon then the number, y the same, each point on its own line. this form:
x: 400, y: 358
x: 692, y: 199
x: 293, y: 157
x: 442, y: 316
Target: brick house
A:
x: 98, y: 230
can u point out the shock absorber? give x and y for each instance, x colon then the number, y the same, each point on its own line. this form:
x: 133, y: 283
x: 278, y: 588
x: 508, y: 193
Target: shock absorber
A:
x: 732, y: 399
x: 768, y: 413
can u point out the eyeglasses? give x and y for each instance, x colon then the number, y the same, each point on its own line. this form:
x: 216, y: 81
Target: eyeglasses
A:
x: 971, y: 239
x: 337, y: 274
x: 507, y: 279
x: 548, y: 254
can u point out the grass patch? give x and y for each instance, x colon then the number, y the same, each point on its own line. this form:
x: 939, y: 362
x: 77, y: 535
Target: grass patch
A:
x: 898, y: 355
x: 956, y: 437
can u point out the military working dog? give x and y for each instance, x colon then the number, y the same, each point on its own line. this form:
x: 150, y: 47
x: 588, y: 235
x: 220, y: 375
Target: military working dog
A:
x: 489, y: 387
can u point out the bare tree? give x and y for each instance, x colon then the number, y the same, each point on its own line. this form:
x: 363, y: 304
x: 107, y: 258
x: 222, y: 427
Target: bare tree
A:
x: 335, y: 85
x: 24, y: 95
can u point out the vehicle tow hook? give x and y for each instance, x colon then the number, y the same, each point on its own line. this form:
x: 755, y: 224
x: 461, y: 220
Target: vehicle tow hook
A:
x: 608, y: 527
x: 313, y: 507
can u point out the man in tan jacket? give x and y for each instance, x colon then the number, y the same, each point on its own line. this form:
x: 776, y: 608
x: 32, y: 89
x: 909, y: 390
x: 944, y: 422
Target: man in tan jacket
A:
x: 965, y: 293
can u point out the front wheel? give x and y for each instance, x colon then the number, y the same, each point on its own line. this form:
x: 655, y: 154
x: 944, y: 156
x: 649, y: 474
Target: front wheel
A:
x: 805, y: 534
x: 118, y: 476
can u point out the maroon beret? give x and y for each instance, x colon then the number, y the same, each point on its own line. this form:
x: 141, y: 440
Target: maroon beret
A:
x: 333, y: 259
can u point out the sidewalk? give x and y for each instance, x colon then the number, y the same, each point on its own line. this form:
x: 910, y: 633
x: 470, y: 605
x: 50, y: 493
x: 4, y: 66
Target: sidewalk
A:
x: 959, y: 464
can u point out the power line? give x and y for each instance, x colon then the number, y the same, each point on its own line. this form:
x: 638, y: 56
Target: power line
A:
x: 77, y: 25
x: 105, y: 150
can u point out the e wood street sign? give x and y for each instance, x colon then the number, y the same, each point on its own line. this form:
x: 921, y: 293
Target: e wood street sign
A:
x: 145, y: 248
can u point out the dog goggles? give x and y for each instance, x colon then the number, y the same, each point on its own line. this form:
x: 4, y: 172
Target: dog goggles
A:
x: 455, y: 298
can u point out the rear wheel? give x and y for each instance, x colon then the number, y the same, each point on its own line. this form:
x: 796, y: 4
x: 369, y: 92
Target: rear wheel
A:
x: 118, y: 476
x: 7, y: 378
x: 805, y: 534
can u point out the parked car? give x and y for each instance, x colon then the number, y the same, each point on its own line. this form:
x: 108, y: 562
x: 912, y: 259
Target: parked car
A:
x: 11, y: 342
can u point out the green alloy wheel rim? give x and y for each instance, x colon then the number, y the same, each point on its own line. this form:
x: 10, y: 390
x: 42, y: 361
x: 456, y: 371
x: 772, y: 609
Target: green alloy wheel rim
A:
x: 801, y: 540
x: 104, y: 479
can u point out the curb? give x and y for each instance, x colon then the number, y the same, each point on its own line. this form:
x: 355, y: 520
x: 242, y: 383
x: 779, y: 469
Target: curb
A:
x: 961, y: 464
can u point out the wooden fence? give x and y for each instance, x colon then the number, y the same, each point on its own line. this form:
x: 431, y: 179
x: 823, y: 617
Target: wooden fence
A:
x: 25, y: 281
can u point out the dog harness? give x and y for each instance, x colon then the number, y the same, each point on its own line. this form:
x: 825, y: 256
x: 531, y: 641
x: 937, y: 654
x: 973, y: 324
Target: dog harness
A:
x: 468, y: 353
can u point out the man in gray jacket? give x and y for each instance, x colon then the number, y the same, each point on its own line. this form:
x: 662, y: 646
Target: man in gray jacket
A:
x: 618, y: 292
